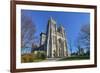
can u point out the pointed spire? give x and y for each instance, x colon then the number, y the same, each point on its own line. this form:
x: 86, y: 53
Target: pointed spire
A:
x: 61, y: 26
x: 52, y: 20
x: 50, y: 17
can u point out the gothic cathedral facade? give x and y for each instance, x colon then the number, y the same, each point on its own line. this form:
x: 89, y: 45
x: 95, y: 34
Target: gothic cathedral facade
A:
x: 54, y: 40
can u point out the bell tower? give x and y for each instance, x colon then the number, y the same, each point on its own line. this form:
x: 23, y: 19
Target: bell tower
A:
x: 56, y: 41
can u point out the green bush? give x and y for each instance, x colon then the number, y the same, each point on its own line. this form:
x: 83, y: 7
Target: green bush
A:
x: 40, y: 55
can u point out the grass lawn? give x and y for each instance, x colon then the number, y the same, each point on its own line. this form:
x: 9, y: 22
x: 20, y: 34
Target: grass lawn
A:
x: 75, y: 58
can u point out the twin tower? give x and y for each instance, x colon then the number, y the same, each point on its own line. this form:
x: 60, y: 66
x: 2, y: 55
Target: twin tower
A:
x: 54, y: 40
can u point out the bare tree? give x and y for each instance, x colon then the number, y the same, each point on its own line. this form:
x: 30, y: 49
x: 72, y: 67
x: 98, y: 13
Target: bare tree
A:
x: 83, y: 41
x: 70, y: 46
x: 28, y: 30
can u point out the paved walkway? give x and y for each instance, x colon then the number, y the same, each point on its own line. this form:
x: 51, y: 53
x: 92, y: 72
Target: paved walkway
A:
x: 51, y: 59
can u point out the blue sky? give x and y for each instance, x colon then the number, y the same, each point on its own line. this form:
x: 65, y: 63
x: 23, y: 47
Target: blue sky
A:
x: 72, y: 22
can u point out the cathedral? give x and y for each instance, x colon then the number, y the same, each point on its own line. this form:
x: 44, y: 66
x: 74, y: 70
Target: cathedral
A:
x: 54, y: 40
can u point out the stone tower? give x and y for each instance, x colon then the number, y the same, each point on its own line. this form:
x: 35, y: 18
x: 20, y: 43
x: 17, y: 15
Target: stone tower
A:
x: 42, y: 39
x: 56, y: 43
